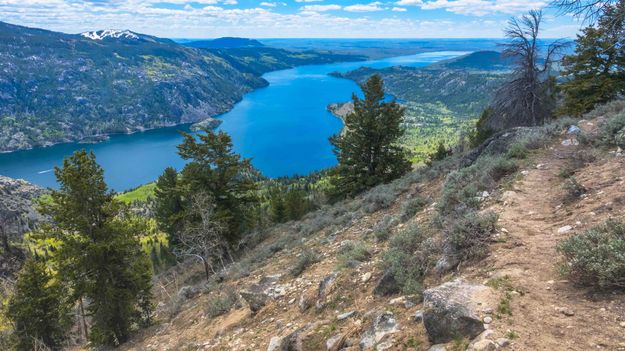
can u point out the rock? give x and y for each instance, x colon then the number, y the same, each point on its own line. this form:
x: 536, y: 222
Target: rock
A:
x: 210, y: 123
x: 445, y: 264
x: 503, y: 342
x: 345, y: 315
x: 326, y: 286
x: 482, y: 345
x: 398, y: 301
x: 275, y: 344
x: 366, y: 277
x: 418, y: 316
x: 488, y: 320
x: 570, y: 142
x: 573, y: 130
x: 450, y: 310
x: 255, y: 300
x: 387, y: 285
x: 566, y: 311
x: 383, y: 325
x: 438, y: 347
x: 622, y: 324
x: 306, y: 301
x: 565, y: 229
x: 332, y: 342
x: 186, y: 293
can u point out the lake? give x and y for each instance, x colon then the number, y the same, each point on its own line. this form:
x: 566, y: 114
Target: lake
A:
x: 283, y: 128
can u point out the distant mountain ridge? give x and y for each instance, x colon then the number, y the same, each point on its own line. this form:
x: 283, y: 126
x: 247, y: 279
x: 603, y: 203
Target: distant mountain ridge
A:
x: 57, y: 87
x: 225, y: 43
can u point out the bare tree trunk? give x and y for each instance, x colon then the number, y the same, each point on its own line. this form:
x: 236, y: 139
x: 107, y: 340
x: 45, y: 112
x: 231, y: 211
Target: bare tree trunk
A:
x: 206, y: 268
x: 83, y: 321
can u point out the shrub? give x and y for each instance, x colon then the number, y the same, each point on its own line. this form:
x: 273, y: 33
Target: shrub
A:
x: 611, y: 133
x: 410, y: 207
x: 222, y: 304
x: 470, y: 234
x: 501, y: 167
x: 353, y: 253
x: 596, y: 257
x: 409, y: 257
x: 305, y: 260
x: 572, y: 190
x: 518, y: 151
x: 382, y: 230
x: 377, y: 199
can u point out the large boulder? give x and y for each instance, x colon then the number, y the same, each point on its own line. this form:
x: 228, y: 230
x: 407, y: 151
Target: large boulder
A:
x: 18, y: 213
x: 451, y: 310
x: 256, y: 300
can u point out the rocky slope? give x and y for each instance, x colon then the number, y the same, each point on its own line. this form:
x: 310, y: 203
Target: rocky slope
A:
x: 323, y: 283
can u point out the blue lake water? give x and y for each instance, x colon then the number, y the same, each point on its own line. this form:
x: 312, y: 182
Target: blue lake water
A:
x: 283, y: 128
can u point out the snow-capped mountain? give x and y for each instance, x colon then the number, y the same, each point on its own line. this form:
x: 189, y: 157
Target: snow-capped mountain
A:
x: 110, y: 33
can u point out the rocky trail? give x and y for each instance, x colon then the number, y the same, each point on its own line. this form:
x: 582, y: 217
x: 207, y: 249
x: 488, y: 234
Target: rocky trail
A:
x: 547, y: 312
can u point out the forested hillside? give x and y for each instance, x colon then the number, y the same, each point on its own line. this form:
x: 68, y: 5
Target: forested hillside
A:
x: 441, y: 99
x: 57, y: 87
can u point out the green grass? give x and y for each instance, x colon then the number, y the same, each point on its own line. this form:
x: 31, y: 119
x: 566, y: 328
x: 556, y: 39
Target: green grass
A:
x: 142, y: 193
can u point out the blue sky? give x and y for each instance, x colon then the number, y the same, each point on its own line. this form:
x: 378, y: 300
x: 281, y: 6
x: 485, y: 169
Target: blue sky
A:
x: 286, y: 18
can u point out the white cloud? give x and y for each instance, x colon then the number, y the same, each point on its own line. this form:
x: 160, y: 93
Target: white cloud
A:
x: 320, y: 8
x: 399, y: 9
x: 477, y: 7
x: 374, y: 6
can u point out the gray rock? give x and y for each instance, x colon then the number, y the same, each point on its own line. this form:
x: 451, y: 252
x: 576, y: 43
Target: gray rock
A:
x: 345, y: 315
x: 18, y: 213
x: 503, y: 342
x: 326, y: 286
x: 387, y: 285
x: 383, y: 325
x: 445, y: 264
x: 438, y: 347
x: 450, y: 310
x: 573, y: 130
x: 256, y: 300
x: 418, y: 316
x: 482, y: 345
x: 275, y: 344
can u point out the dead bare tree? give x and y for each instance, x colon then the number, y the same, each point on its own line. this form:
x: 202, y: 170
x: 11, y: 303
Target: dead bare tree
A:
x: 589, y: 10
x: 527, y: 100
x: 201, y: 236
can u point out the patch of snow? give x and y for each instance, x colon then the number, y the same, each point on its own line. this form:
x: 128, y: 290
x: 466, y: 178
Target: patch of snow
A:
x: 110, y: 33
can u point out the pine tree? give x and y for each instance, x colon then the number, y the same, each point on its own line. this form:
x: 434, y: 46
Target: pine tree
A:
x: 99, y: 253
x: 37, y: 308
x: 296, y: 204
x: 215, y: 169
x: 168, y: 204
x: 596, y: 71
x: 367, y: 149
x: 277, y: 206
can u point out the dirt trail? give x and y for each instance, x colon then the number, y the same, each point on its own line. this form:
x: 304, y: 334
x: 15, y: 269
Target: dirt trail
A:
x: 553, y: 314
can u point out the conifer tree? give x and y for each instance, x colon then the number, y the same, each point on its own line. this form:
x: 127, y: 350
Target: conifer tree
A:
x: 596, y: 71
x: 99, y: 253
x: 368, y: 149
x: 216, y: 170
x: 168, y: 204
x: 37, y: 308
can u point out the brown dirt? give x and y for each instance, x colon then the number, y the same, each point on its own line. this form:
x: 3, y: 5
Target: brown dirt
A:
x: 532, y: 212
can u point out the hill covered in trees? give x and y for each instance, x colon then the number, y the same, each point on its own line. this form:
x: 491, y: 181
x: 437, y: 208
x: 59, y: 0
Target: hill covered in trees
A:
x: 443, y: 98
x: 57, y: 87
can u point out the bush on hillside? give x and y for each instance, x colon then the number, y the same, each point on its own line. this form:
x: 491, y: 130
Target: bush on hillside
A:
x: 222, y: 304
x: 409, y: 257
x: 305, y: 260
x: 572, y: 190
x: 410, y: 207
x: 351, y: 254
x: 596, y: 257
x: 470, y: 235
x: 382, y: 230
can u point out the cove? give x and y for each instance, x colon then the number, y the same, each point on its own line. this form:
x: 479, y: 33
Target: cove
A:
x: 283, y: 128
